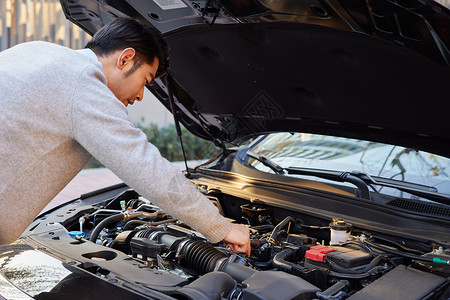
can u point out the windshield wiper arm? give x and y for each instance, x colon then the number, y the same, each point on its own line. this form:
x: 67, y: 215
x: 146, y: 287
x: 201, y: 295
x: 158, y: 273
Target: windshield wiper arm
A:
x: 335, y: 176
x: 423, y: 191
x: 361, y: 180
x: 265, y: 161
x: 363, y: 190
x: 427, y: 192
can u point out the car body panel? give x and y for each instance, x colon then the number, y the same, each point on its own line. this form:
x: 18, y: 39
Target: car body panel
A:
x: 372, y: 70
x: 376, y: 71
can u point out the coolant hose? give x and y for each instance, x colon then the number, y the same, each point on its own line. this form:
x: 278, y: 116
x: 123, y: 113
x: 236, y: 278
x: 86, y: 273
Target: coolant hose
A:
x: 263, y: 227
x: 400, y: 253
x: 357, y: 276
x: 135, y: 222
x: 149, y: 223
x: 341, y: 269
x: 276, y: 230
x: 280, y: 261
x: 360, y: 245
x: 119, y: 217
x: 109, y: 220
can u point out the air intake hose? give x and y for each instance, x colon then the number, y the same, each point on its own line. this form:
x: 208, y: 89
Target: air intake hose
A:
x: 200, y: 256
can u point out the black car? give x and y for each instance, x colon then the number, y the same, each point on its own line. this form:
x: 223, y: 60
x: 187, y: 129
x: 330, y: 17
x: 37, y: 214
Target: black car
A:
x: 333, y: 121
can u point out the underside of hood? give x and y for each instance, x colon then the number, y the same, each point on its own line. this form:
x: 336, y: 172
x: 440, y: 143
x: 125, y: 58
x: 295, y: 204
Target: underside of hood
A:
x: 376, y: 70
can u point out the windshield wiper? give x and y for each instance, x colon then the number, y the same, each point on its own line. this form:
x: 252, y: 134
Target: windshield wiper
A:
x: 424, y: 191
x: 363, y: 189
x: 361, y: 180
x: 364, y: 180
x: 265, y: 161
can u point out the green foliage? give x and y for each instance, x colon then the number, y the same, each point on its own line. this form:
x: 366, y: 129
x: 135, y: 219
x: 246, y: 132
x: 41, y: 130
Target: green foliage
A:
x: 168, y: 143
x: 94, y: 163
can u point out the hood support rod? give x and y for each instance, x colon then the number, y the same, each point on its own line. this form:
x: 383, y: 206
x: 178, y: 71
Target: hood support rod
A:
x: 169, y: 83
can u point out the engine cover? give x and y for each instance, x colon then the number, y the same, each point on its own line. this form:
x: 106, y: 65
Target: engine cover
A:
x: 402, y: 283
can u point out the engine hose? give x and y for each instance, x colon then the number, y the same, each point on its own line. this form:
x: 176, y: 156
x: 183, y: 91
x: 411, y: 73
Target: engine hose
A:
x: 203, y: 258
x: 417, y: 252
x: 280, y: 261
x: 200, y: 256
x: 156, y: 223
x: 109, y: 220
x: 341, y: 269
x: 263, y: 227
x: 357, y: 276
x: 149, y: 223
x: 116, y: 218
x: 239, y: 272
x: 400, y: 253
x: 276, y: 230
x: 197, y: 255
x: 359, y: 244
x: 372, y: 264
x: 265, y: 265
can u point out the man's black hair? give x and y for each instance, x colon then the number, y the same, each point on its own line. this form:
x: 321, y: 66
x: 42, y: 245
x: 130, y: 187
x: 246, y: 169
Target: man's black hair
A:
x: 123, y: 33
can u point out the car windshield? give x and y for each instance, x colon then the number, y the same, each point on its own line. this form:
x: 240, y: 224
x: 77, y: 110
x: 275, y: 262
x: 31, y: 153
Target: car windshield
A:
x: 347, y: 155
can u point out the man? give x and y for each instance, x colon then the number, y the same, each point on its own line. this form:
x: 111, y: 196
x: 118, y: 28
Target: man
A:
x: 61, y: 106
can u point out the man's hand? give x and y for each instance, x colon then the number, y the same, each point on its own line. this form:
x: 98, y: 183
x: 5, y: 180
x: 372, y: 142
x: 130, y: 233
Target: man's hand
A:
x: 238, y: 239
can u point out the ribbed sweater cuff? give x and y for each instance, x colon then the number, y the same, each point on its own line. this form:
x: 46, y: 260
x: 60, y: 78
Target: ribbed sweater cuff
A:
x: 219, y: 231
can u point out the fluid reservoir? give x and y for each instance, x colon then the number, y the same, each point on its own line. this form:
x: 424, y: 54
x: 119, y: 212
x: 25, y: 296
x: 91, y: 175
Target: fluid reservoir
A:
x: 340, y: 231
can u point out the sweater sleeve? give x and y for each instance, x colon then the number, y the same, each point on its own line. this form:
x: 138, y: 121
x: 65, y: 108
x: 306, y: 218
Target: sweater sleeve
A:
x: 101, y: 125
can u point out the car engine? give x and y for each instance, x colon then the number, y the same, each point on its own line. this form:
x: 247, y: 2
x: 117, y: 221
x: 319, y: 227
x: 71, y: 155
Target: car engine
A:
x: 290, y: 258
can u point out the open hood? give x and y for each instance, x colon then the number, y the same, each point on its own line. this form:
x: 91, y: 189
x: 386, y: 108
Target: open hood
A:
x: 373, y: 70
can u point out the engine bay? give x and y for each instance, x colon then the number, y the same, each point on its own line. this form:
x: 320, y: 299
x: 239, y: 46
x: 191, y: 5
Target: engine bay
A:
x: 293, y: 255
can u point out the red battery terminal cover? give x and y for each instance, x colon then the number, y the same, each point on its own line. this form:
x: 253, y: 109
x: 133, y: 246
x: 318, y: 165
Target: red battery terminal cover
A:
x: 318, y: 252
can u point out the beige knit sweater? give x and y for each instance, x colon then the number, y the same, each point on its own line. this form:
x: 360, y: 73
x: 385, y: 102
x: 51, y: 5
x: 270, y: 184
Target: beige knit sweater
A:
x: 55, y: 113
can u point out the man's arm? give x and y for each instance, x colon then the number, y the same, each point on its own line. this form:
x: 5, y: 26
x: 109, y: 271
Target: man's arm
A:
x: 102, y: 127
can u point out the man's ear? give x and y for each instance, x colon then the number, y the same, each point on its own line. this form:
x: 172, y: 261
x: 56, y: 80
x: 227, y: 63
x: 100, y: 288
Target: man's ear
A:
x: 125, y: 58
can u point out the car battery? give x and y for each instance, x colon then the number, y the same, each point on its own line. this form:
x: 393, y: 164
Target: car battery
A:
x: 343, y: 256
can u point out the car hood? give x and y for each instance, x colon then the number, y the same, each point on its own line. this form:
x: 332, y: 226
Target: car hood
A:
x: 375, y: 70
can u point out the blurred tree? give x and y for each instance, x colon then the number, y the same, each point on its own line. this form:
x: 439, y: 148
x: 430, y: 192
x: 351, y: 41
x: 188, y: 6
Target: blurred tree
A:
x: 168, y: 143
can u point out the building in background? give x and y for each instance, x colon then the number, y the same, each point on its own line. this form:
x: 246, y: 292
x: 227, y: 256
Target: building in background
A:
x: 29, y: 20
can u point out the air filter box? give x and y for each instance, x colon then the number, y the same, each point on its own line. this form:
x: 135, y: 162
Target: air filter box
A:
x: 403, y: 283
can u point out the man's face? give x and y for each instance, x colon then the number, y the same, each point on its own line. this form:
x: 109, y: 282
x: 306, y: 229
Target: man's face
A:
x: 130, y: 87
